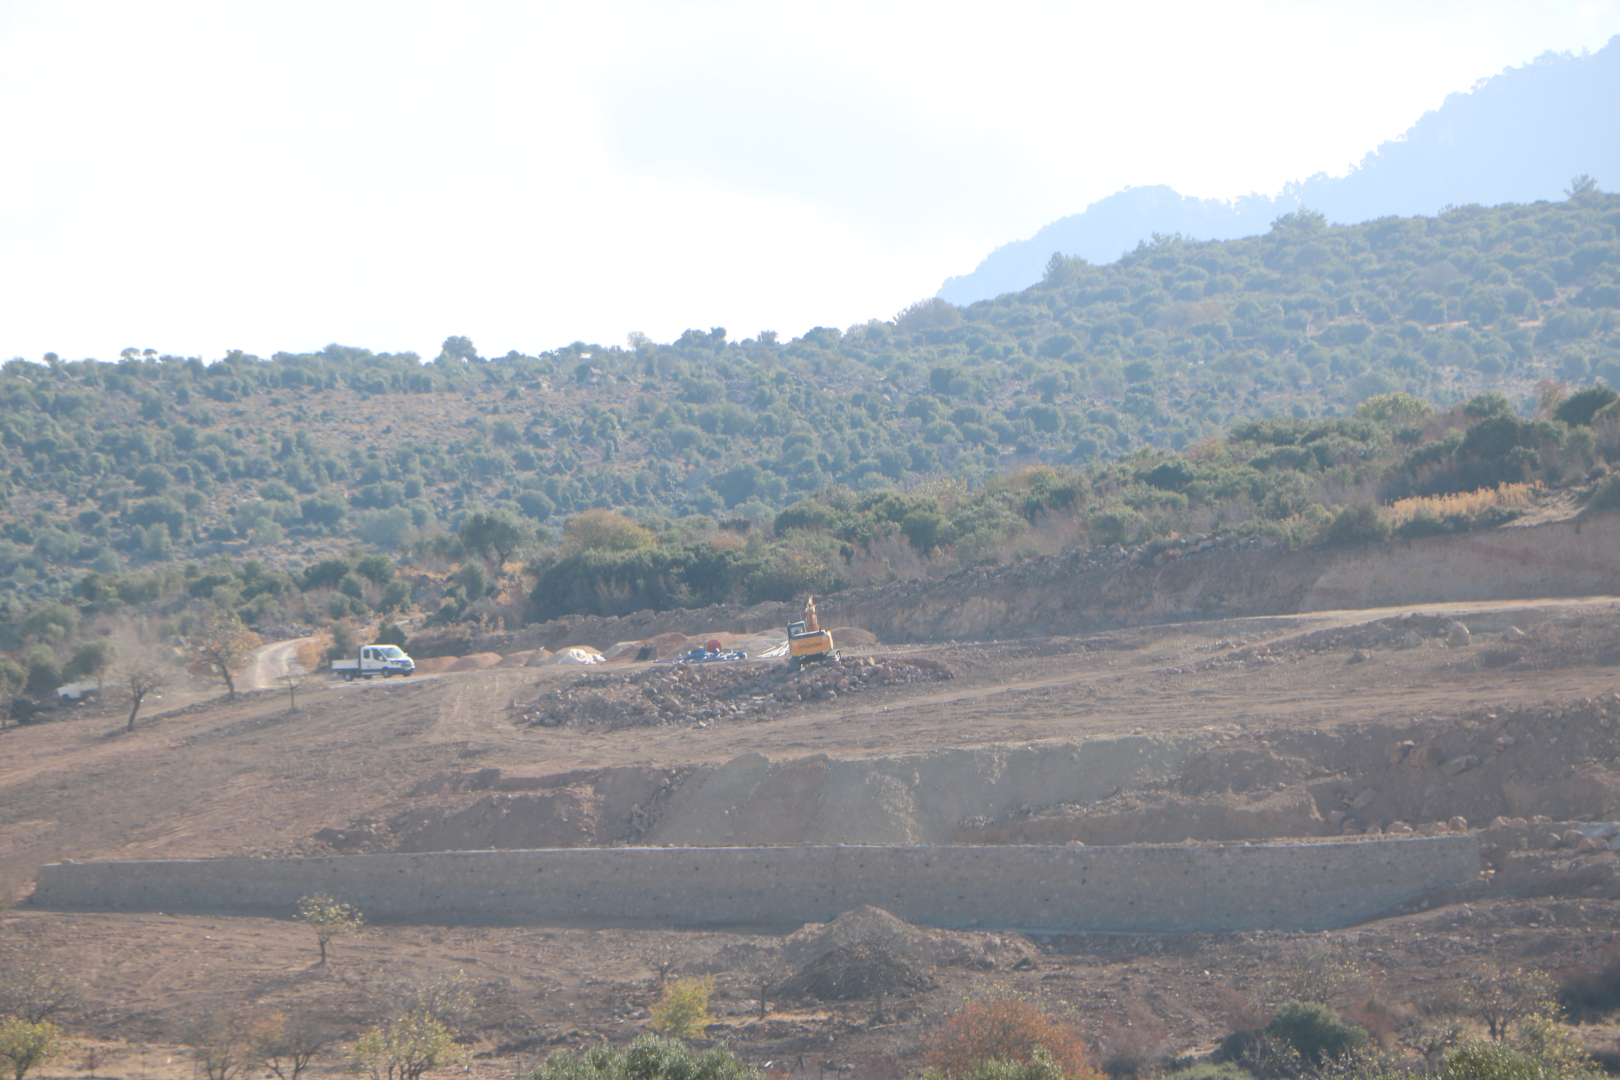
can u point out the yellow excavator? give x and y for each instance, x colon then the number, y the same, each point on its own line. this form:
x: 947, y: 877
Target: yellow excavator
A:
x: 808, y: 643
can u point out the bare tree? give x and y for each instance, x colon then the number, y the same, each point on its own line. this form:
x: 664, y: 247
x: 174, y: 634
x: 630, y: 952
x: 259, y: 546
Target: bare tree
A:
x: 292, y: 680
x: 142, y: 675
x: 286, y: 1047
x: 218, y: 643
x: 218, y: 1044
x: 34, y: 993
x: 1504, y: 998
x: 664, y: 957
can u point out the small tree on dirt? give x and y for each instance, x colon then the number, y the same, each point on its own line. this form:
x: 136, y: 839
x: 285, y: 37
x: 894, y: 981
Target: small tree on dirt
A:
x: 145, y: 669
x: 1505, y: 998
x: 1320, y: 974
x: 34, y: 993
x: 406, y: 1047
x: 682, y: 1010
x: 449, y: 998
x: 219, y: 643
x: 329, y: 918
x: 764, y: 976
x: 24, y: 1044
x: 219, y: 1045
x: 292, y: 680
x: 286, y: 1047
x: 663, y: 958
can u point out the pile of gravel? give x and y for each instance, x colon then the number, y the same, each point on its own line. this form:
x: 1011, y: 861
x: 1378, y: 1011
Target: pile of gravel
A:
x: 698, y: 693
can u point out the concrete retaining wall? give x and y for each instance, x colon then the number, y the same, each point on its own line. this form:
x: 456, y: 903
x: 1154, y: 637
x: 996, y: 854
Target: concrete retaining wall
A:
x: 1140, y: 888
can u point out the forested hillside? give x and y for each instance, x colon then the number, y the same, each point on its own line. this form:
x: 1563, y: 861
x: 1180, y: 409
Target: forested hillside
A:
x: 1259, y: 384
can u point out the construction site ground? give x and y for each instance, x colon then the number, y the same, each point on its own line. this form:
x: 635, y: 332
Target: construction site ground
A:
x: 1517, y: 731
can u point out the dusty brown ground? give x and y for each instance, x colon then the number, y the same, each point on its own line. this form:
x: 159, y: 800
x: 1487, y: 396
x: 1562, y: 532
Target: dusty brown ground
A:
x: 253, y: 778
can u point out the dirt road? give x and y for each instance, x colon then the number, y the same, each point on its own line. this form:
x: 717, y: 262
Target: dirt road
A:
x: 268, y: 664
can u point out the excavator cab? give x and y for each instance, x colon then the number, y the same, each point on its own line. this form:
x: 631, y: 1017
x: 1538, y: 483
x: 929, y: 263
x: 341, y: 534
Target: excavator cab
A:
x: 807, y: 642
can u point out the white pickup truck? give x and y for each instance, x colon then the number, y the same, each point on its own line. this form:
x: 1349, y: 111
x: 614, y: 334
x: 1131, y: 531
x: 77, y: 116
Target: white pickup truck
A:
x: 384, y: 660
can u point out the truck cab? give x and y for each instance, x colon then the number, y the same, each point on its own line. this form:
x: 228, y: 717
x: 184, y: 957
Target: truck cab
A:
x: 384, y: 660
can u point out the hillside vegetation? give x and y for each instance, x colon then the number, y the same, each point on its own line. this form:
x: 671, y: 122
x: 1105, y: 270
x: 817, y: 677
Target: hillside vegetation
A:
x: 1317, y: 383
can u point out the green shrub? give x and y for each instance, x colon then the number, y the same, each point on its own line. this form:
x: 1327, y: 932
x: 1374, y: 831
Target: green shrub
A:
x: 1315, y: 1030
x: 44, y: 671
x: 1359, y: 523
x: 1041, y: 1066
x: 1580, y: 407
x: 647, y: 1058
x: 1209, y: 1071
x: 1491, y: 1061
x: 1606, y: 493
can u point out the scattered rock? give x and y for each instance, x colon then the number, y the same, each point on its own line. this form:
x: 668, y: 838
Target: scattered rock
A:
x: 1457, y: 636
x: 1425, y: 757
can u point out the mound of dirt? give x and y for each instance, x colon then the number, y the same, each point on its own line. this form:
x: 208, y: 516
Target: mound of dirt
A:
x: 434, y: 665
x: 517, y: 659
x: 820, y: 954
x: 865, y: 969
x: 867, y: 923
x: 853, y: 635
x: 689, y: 693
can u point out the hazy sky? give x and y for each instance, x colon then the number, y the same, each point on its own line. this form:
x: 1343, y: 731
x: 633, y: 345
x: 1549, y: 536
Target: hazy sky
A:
x: 196, y: 177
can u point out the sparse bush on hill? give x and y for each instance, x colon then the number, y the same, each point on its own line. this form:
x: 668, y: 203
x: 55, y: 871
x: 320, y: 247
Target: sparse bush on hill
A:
x: 649, y: 1057
x: 405, y: 1047
x: 1315, y: 1031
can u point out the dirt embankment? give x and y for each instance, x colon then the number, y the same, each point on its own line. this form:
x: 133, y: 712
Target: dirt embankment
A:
x: 1090, y: 591
x: 1553, y: 763
x: 751, y: 800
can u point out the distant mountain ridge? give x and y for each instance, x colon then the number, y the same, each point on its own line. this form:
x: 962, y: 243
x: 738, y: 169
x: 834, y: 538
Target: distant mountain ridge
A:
x: 1519, y: 136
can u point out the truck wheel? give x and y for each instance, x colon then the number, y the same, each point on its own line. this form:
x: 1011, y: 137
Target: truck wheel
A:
x: 387, y: 673
x: 348, y: 676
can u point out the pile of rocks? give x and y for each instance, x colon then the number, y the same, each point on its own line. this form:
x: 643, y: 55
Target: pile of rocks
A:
x: 825, y: 682
x: 682, y: 693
